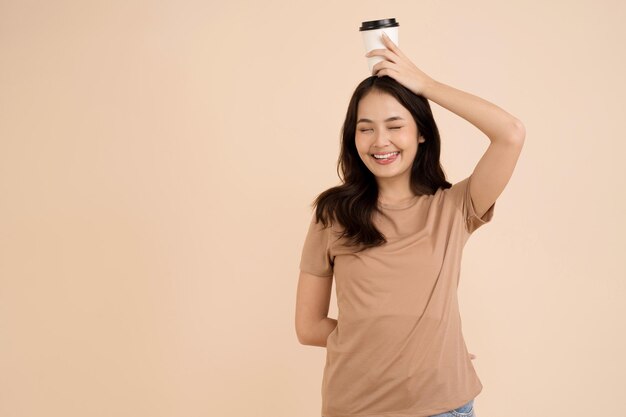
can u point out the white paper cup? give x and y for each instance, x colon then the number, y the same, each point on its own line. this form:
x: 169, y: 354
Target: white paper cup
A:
x: 372, y: 32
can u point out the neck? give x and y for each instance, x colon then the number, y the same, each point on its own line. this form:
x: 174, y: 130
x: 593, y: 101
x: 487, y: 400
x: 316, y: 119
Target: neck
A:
x: 394, y: 190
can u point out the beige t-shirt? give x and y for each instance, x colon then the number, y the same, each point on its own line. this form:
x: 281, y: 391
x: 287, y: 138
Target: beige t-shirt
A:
x: 398, y: 348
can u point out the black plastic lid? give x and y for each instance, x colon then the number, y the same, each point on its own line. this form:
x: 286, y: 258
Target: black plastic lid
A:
x: 378, y: 24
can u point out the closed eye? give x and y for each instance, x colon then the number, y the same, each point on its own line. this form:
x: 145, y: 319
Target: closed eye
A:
x: 392, y: 128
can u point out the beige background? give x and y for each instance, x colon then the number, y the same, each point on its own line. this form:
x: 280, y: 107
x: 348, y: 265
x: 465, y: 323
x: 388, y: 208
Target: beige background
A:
x: 157, y: 165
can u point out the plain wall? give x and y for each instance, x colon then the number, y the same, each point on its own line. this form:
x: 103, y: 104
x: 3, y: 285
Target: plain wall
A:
x: 157, y: 165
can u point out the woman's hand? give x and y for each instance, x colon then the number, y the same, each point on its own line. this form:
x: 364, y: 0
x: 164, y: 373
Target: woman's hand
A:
x: 399, y: 67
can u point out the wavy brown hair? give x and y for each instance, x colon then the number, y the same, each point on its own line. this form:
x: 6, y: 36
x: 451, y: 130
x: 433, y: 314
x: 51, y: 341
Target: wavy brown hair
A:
x: 353, y: 203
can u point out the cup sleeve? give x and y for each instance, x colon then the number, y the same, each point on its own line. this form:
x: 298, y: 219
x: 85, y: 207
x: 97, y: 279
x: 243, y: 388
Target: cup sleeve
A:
x: 315, y: 257
x: 460, y: 194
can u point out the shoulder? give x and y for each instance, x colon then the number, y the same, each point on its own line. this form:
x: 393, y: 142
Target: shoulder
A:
x: 456, y: 193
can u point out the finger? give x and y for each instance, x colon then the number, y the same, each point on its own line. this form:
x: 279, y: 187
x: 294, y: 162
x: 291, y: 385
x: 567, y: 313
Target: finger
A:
x: 384, y: 52
x: 391, y: 51
x: 388, y: 42
x: 391, y: 45
x: 379, y: 66
x: 391, y: 72
x: 390, y: 56
x: 374, y: 52
x: 384, y: 71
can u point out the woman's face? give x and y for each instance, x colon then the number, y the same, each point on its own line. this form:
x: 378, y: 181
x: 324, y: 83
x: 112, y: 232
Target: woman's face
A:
x: 384, y: 126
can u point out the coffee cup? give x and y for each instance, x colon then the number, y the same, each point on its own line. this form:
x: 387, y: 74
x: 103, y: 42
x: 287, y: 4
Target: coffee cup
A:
x: 371, y: 33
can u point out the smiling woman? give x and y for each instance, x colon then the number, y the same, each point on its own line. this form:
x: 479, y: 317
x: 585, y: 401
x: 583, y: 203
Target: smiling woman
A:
x: 392, y: 234
x: 383, y: 117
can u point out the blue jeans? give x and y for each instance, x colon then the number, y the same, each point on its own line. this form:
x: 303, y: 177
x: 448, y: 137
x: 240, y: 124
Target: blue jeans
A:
x: 466, y: 410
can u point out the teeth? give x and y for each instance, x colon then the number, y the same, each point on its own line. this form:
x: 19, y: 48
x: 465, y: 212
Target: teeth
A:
x: 386, y: 155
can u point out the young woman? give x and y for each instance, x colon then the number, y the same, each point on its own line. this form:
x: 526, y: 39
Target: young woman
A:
x: 392, y: 234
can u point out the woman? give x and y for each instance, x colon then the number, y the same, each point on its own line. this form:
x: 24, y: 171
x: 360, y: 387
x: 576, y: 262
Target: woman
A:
x: 393, y: 234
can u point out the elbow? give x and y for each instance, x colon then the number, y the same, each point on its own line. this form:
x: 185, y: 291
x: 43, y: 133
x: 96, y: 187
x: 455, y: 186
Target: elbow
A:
x: 302, y: 336
x: 519, y: 132
x: 512, y: 135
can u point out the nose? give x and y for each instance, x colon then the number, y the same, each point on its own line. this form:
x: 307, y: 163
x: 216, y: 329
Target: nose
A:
x: 381, y: 140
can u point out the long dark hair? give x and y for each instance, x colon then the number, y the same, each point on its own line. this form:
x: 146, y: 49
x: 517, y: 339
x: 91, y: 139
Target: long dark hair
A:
x: 353, y: 203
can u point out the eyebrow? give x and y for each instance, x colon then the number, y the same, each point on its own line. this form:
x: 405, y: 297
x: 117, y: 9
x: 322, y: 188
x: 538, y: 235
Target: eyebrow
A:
x: 386, y: 120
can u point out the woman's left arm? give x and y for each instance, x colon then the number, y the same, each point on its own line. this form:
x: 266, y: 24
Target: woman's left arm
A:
x: 506, y: 132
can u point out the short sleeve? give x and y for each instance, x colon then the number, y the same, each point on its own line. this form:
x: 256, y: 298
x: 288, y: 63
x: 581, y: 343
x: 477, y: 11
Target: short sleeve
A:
x: 316, y: 258
x: 460, y: 194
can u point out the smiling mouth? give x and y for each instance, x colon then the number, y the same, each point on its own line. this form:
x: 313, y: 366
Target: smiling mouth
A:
x: 383, y: 156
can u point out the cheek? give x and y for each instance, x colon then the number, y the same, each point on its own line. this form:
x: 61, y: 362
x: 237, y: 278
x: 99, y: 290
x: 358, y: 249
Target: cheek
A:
x: 408, y: 155
x: 361, y: 146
